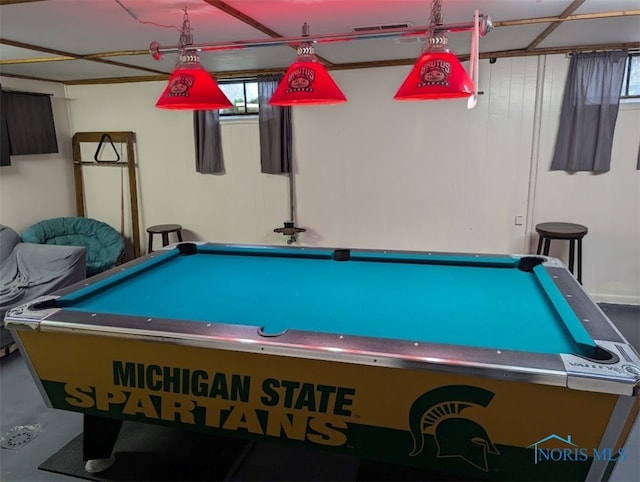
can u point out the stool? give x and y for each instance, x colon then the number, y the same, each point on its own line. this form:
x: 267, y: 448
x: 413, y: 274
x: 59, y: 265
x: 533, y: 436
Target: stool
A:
x: 164, y: 230
x: 567, y: 231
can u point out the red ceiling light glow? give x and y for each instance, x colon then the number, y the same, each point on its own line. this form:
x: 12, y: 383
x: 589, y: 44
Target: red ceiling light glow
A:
x: 438, y: 74
x: 306, y: 81
x: 190, y: 86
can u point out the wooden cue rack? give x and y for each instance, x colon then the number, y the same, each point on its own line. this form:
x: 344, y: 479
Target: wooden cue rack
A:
x: 128, y: 138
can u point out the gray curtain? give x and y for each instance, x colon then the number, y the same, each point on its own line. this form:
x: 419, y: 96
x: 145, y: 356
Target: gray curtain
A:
x: 589, y: 112
x: 29, y: 123
x: 5, y: 154
x: 206, y: 133
x: 275, y: 129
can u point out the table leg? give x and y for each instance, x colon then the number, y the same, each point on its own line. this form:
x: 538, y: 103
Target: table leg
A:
x: 547, y: 242
x: 179, y: 233
x: 99, y: 437
x: 150, y: 247
x: 539, y: 250
x: 165, y: 239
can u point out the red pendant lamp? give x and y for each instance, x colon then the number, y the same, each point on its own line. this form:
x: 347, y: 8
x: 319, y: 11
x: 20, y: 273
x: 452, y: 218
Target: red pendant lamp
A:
x: 190, y: 86
x: 438, y: 74
x: 306, y: 81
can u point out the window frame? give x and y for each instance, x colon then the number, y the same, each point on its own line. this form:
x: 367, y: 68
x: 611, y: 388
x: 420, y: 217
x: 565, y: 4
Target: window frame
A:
x: 624, y: 94
x: 244, y: 81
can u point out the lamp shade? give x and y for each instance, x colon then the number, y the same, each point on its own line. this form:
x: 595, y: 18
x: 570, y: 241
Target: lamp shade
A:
x: 307, y: 82
x: 192, y: 88
x: 438, y: 74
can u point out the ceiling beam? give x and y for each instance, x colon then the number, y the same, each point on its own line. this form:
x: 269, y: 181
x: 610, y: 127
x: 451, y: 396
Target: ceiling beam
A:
x: 29, y: 77
x: 237, y: 14
x: 72, y: 56
x: 547, y: 31
x: 252, y: 22
x: 581, y: 16
x: 11, y: 2
x: 559, y: 50
x: 159, y: 75
x: 61, y: 56
x: 35, y: 60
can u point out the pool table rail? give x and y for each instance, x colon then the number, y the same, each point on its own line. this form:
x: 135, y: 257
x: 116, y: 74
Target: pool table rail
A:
x: 619, y: 375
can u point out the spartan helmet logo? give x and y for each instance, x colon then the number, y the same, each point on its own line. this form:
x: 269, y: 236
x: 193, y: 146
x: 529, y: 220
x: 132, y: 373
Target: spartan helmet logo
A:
x: 439, y: 411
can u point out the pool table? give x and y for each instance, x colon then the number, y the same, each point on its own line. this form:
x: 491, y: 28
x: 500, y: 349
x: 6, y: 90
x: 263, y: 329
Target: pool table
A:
x: 475, y: 366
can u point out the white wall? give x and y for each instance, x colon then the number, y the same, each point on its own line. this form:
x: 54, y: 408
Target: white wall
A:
x: 241, y: 206
x: 377, y: 173
x: 608, y: 203
x: 39, y: 186
x: 382, y: 174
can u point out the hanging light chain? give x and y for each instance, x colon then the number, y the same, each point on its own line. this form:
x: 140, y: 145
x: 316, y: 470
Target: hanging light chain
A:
x: 436, y: 38
x: 436, y: 12
x: 186, y: 38
x: 305, y: 48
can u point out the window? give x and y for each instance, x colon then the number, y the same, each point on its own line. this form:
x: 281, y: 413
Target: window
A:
x: 243, y: 94
x: 631, y: 80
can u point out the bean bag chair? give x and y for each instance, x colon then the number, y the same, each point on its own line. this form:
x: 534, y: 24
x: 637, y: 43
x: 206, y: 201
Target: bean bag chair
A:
x: 104, y: 245
x: 28, y: 271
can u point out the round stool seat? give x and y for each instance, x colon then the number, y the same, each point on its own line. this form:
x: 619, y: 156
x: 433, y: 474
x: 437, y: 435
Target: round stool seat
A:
x: 564, y: 231
x: 163, y: 230
x: 558, y: 230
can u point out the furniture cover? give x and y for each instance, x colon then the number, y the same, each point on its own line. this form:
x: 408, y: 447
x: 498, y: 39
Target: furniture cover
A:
x: 28, y: 271
x: 105, y: 246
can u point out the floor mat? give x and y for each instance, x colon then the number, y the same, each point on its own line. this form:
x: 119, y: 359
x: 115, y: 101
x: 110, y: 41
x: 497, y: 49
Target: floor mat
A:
x: 149, y: 452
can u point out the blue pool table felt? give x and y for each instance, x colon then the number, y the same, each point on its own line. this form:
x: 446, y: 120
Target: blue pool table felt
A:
x: 489, y: 305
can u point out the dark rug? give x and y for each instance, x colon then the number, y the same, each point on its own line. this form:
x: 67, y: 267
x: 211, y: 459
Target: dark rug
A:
x: 150, y: 452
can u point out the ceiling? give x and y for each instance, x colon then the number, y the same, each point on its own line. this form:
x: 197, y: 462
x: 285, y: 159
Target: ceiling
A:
x: 104, y: 41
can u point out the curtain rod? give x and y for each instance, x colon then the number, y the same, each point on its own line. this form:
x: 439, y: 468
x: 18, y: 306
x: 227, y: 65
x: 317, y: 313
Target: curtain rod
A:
x: 593, y: 51
x: 10, y: 91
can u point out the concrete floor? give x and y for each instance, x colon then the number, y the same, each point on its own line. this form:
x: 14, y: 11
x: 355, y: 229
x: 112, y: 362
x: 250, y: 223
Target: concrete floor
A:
x: 22, y: 405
